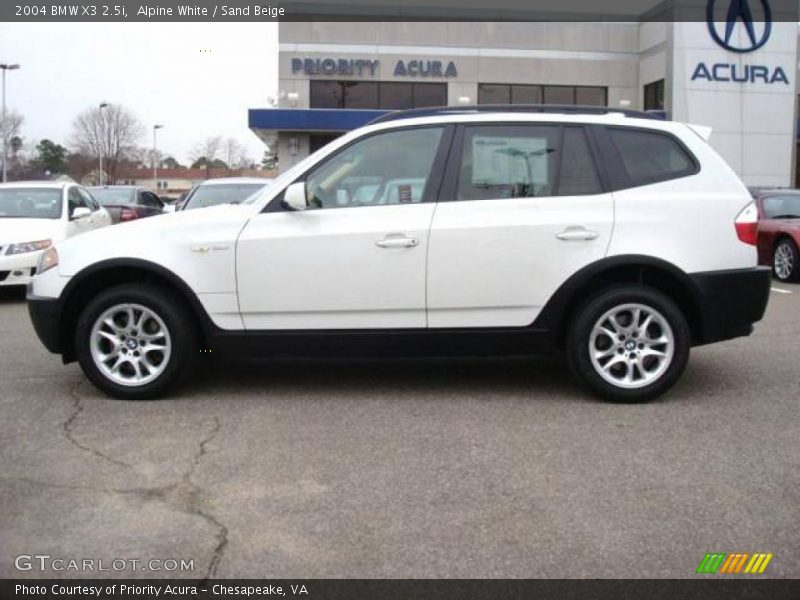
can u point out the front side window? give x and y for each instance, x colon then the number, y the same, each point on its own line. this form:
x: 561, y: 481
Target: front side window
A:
x: 526, y: 161
x: 383, y: 169
x: 650, y: 156
x: 88, y: 200
x: 75, y: 200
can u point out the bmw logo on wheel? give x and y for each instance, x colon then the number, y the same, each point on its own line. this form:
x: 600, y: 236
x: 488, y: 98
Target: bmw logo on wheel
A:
x: 739, y: 10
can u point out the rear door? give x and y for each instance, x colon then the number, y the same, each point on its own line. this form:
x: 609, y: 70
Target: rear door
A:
x: 523, y: 208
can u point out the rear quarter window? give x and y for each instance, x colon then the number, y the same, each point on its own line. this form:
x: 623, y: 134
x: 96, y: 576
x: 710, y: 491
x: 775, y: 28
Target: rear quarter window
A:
x: 650, y: 156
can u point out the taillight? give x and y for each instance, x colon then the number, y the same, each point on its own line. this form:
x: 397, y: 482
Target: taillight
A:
x: 746, y: 224
x: 126, y: 214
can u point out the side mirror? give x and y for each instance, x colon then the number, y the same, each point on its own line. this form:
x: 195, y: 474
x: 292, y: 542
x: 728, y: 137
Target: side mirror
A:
x: 80, y: 212
x: 295, y: 196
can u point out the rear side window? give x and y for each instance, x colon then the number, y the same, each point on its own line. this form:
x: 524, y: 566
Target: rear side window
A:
x: 579, y: 175
x: 650, y: 157
x: 525, y: 161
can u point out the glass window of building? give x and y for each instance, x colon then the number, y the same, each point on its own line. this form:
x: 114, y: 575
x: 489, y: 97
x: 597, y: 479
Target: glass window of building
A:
x: 526, y: 94
x: 376, y: 95
x: 654, y: 95
x: 501, y: 93
x: 494, y: 93
x: 397, y: 96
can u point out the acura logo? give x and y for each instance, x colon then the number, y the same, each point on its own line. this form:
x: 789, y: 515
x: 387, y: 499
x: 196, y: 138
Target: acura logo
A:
x: 739, y: 11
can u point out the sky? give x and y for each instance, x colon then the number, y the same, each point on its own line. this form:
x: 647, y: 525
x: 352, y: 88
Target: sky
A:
x: 197, y: 79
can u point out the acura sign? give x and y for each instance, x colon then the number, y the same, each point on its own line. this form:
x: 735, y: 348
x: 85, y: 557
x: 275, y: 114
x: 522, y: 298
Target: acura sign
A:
x: 757, y: 34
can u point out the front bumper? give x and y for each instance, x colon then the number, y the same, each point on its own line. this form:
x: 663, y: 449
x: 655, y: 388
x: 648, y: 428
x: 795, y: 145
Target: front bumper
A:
x: 731, y: 301
x: 18, y: 269
x: 46, y: 318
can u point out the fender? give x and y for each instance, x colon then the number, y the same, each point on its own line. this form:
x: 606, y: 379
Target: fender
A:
x: 625, y: 267
x: 77, y: 287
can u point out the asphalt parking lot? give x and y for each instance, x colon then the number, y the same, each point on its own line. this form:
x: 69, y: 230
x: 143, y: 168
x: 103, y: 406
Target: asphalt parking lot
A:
x: 500, y: 468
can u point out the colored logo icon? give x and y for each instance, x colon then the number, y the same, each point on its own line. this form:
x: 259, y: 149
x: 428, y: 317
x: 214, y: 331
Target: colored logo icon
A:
x: 735, y: 563
x: 739, y: 12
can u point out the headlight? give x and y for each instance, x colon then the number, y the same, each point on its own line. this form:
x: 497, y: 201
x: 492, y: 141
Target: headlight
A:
x: 47, y: 260
x: 28, y: 247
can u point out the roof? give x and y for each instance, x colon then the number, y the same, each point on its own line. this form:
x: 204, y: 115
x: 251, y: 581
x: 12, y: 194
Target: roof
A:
x: 58, y: 185
x: 764, y: 192
x: 114, y: 187
x: 235, y: 180
x: 191, y: 174
x: 561, y: 109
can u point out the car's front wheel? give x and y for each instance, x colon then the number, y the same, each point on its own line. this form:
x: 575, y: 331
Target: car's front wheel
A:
x: 629, y: 344
x: 785, y: 261
x: 135, y: 341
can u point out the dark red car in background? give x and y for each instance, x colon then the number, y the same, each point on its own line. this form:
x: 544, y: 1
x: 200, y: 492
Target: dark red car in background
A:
x: 779, y: 232
x: 127, y: 202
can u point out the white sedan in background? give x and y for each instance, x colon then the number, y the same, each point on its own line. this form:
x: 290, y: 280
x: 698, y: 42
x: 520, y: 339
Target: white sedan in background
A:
x: 35, y: 215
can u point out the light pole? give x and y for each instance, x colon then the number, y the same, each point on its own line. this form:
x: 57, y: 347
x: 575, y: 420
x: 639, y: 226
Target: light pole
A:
x: 155, y: 158
x: 5, y: 67
x: 100, y: 141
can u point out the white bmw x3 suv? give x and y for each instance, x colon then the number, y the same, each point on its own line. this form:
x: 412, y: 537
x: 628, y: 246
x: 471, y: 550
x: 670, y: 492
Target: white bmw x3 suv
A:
x: 613, y: 239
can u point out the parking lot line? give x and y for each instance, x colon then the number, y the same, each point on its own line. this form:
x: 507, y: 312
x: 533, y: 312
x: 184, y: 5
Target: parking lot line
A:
x: 780, y: 291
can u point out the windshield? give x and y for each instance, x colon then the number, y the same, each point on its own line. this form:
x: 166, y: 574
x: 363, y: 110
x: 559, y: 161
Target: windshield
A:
x: 211, y: 195
x: 782, y: 207
x: 110, y: 196
x: 30, y: 203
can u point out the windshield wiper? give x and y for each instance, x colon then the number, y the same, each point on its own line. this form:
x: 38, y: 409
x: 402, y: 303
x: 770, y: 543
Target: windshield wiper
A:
x: 786, y: 217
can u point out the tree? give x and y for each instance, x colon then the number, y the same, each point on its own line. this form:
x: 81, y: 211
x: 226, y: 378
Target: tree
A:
x: 9, y: 130
x: 110, y: 132
x: 10, y: 127
x: 169, y: 162
x: 269, y: 161
x: 205, y: 153
x: 235, y: 154
x: 52, y: 156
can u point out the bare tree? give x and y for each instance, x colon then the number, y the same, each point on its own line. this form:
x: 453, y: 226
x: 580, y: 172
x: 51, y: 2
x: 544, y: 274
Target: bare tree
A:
x: 10, y: 127
x: 9, y: 131
x: 206, y: 152
x: 235, y: 154
x: 111, y: 132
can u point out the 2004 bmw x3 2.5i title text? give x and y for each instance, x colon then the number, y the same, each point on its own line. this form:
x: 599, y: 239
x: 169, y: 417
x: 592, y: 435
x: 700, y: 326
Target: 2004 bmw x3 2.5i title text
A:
x: 617, y: 240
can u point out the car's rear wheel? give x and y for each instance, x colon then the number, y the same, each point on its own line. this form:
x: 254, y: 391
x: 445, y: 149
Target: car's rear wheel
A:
x: 786, y: 261
x: 629, y: 344
x: 135, y: 341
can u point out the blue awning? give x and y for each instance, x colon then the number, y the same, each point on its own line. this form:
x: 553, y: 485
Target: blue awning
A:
x: 310, y: 119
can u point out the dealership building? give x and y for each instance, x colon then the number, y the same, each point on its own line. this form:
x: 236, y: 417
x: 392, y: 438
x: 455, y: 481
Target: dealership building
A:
x: 739, y: 78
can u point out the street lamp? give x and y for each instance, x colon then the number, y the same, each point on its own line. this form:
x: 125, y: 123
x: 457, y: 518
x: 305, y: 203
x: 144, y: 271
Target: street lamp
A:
x: 100, y: 141
x: 5, y: 67
x: 155, y: 158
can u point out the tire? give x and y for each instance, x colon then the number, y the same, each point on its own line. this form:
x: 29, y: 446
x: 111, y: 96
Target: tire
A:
x: 164, y: 349
x: 786, y: 261
x: 639, y: 373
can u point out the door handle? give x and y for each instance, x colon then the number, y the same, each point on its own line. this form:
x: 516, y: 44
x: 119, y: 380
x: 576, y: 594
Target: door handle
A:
x: 397, y: 242
x: 571, y: 234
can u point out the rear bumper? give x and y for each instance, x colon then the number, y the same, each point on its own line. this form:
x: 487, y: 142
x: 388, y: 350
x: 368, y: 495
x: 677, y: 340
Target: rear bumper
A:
x: 731, y: 301
x: 46, y: 318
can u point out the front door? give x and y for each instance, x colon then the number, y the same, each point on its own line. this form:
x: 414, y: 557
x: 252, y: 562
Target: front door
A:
x: 523, y: 210
x: 356, y: 258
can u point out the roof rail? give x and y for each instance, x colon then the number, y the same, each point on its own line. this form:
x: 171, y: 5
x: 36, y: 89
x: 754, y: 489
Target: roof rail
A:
x: 521, y: 108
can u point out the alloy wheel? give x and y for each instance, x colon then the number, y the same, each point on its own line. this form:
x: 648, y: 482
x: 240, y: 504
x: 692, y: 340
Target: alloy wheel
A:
x: 784, y: 261
x: 130, y: 344
x: 631, y: 345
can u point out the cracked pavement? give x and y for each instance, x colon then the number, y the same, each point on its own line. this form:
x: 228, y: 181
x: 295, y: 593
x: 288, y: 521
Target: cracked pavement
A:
x: 497, y: 468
